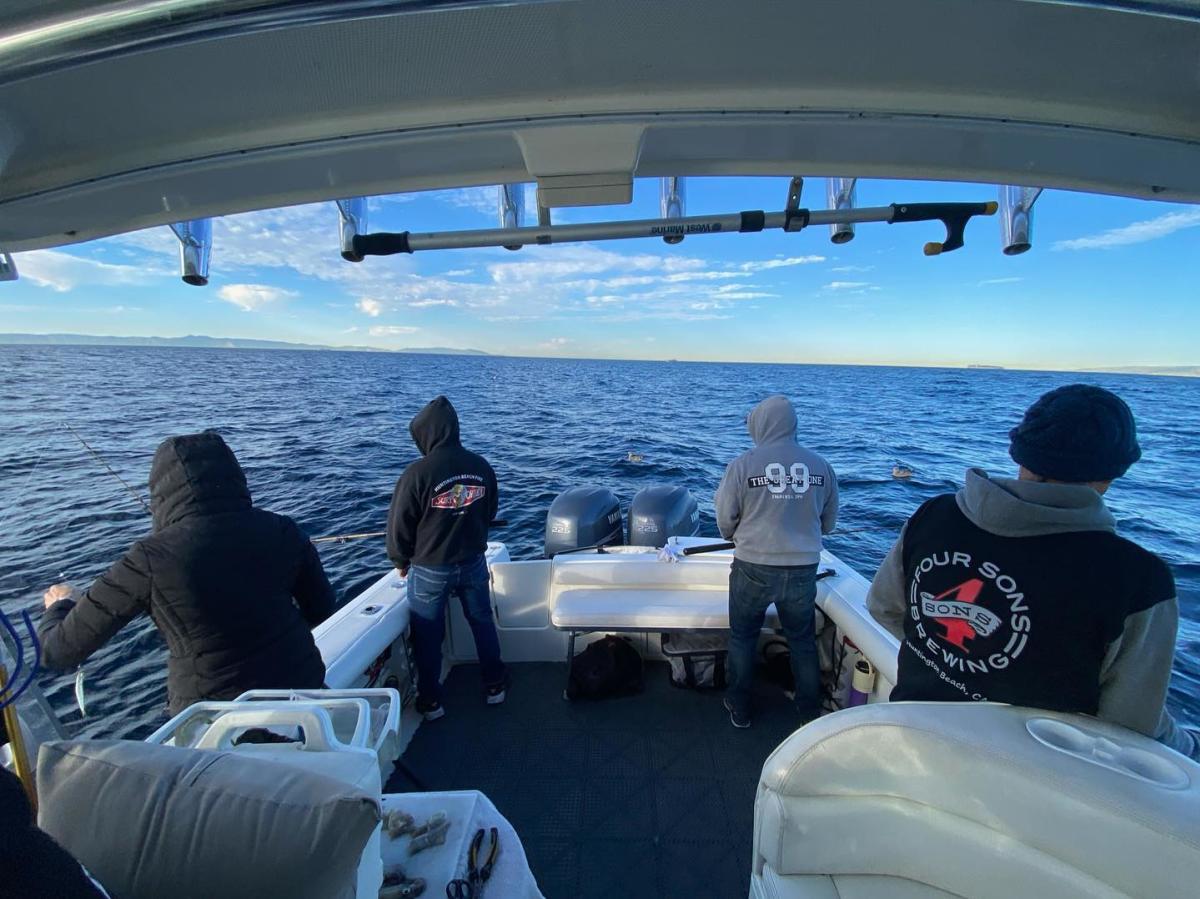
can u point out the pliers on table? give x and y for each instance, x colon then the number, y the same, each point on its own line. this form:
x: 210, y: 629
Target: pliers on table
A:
x: 477, y: 875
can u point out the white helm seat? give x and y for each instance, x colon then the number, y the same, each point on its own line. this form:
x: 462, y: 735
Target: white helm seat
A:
x: 974, y: 800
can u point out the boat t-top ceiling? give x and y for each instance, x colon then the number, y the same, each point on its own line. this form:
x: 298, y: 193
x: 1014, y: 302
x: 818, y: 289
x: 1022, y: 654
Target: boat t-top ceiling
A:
x: 123, y: 115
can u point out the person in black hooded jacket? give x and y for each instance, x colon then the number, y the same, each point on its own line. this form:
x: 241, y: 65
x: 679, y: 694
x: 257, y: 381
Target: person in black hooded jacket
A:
x: 436, y: 537
x: 234, y: 590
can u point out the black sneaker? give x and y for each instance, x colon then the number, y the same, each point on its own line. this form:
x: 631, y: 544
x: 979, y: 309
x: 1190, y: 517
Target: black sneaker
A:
x: 430, y: 711
x: 738, y: 721
x: 497, y: 694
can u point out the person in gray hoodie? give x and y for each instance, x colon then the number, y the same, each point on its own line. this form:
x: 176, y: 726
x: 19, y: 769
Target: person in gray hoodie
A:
x: 774, y: 503
x: 1020, y: 590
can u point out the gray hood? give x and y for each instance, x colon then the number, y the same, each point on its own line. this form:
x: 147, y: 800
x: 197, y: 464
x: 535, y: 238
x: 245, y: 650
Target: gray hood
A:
x: 1008, y: 507
x: 772, y: 419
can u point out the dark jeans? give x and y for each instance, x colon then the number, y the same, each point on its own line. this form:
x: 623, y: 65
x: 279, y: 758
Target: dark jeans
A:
x: 429, y: 588
x: 793, y: 589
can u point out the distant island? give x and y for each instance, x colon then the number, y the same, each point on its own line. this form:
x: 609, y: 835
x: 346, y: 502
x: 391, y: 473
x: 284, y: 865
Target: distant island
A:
x: 988, y: 367
x: 223, y: 343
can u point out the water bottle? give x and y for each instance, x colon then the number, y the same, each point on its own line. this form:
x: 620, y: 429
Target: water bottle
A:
x: 862, y: 683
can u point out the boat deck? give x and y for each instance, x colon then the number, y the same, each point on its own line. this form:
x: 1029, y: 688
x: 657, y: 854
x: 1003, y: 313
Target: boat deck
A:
x: 649, y: 795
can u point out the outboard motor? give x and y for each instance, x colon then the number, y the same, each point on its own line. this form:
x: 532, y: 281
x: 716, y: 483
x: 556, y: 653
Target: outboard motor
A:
x: 657, y: 513
x: 583, y: 516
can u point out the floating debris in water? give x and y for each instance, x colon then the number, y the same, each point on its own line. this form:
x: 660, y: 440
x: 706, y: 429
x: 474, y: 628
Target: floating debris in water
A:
x: 901, y: 471
x: 635, y: 457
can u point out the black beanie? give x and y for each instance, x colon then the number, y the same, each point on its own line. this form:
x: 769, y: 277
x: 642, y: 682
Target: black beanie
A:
x: 1078, y: 433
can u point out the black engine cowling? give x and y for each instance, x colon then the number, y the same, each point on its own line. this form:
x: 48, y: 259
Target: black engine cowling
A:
x: 583, y: 516
x: 657, y: 513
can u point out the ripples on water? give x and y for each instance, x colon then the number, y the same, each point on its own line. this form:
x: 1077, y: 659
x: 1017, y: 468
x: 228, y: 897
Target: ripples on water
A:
x: 323, y: 436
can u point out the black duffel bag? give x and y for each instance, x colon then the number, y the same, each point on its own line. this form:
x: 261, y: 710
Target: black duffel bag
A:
x: 608, y: 667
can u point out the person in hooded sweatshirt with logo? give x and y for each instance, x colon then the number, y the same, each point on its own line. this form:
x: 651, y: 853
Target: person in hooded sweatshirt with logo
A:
x: 1020, y: 590
x: 437, y: 534
x: 774, y: 503
x: 233, y: 589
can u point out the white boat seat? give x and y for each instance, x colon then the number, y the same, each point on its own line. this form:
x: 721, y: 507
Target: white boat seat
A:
x: 976, y: 800
x: 645, y: 610
x: 843, y: 886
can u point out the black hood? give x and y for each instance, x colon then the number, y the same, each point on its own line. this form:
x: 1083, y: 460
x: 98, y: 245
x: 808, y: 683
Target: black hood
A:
x: 196, y: 474
x: 434, y: 426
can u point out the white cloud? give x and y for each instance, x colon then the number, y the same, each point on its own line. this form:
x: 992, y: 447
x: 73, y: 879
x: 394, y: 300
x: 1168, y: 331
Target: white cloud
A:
x: 391, y: 330
x: 780, y: 263
x: 1138, y: 232
x: 556, y: 343
x: 746, y: 295
x: 459, y: 272
x: 848, y: 285
x: 369, y: 307
x: 62, y: 271
x: 250, y: 297
x: 351, y: 330
x: 1000, y: 281
x: 420, y: 304
x: 852, y: 268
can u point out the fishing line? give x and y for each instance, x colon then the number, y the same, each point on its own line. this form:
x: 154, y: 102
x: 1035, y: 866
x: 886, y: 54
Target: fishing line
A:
x: 95, y: 455
x: 24, y: 487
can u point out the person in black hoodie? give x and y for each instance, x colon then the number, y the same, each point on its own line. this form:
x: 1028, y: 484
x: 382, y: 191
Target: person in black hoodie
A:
x: 234, y: 590
x: 436, y: 537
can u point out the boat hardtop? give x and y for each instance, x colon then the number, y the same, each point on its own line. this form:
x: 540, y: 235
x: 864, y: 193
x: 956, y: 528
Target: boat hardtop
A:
x: 118, y: 116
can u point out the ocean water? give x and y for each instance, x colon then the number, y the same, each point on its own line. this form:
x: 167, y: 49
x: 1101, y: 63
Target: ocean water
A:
x: 323, y: 437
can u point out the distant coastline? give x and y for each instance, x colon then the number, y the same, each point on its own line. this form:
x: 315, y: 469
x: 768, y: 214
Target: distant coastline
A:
x: 224, y: 343
x: 244, y: 343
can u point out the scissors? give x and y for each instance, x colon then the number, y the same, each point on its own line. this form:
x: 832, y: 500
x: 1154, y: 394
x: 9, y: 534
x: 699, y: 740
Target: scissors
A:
x: 472, y: 886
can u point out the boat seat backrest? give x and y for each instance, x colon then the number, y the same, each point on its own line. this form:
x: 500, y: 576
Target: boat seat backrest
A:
x: 980, y: 800
x: 622, y: 572
x: 151, y: 821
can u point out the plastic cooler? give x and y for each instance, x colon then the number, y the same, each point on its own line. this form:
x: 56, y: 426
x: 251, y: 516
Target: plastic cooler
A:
x: 383, y: 727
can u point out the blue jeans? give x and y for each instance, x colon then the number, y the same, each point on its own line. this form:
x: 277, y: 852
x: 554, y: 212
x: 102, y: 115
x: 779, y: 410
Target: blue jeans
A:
x: 793, y: 589
x: 429, y: 588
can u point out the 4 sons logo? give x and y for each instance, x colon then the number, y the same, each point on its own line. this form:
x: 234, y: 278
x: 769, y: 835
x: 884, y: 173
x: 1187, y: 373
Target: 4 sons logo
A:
x: 978, y: 625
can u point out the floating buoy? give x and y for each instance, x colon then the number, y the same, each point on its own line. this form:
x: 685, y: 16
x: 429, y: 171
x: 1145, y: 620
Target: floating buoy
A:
x: 634, y: 457
x: 901, y: 471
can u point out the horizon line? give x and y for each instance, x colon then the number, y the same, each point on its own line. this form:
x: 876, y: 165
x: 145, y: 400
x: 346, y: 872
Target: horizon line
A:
x: 1157, y: 370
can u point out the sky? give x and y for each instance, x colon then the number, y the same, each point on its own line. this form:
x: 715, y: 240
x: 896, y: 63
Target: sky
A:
x: 1110, y: 282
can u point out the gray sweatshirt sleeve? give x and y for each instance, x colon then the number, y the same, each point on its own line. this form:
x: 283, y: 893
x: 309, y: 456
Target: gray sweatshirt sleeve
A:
x: 729, y: 503
x: 885, y: 600
x: 1137, y: 670
x: 830, y: 511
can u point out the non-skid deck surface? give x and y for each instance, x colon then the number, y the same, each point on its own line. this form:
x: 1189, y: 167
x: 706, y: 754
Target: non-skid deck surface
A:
x: 649, y: 795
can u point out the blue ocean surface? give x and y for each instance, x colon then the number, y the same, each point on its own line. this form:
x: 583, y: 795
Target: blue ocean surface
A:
x: 324, y: 435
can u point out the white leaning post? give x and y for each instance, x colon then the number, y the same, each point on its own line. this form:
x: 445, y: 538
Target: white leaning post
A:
x: 1016, y: 218
x: 8, y: 268
x: 841, y: 195
x: 195, y: 248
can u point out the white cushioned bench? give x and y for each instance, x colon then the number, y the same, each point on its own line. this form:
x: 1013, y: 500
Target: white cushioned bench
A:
x: 640, y: 610
x: 629, y: 590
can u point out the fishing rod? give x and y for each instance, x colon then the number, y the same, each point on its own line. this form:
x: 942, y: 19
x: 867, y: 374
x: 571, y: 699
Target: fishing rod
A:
x: 343, y: 538
x: 95, y: 455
